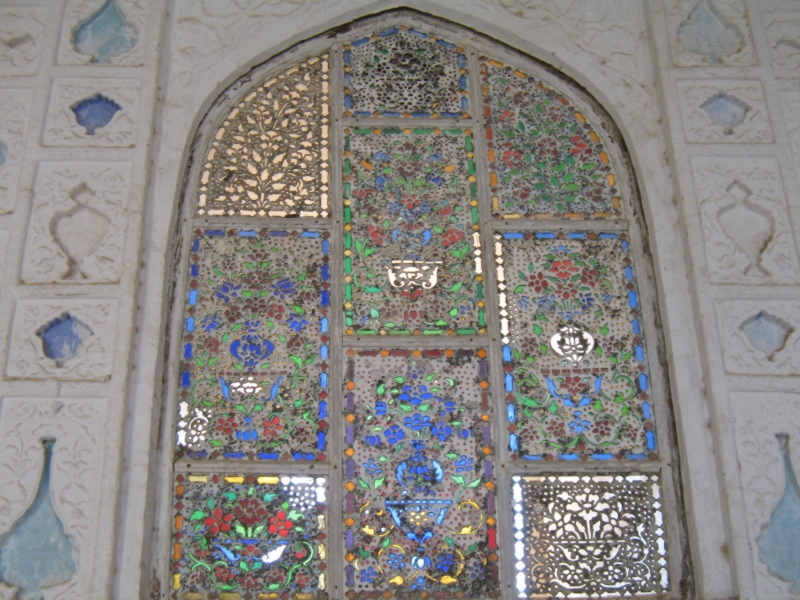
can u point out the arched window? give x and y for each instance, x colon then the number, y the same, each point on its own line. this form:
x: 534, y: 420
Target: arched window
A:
x: 419, y: 342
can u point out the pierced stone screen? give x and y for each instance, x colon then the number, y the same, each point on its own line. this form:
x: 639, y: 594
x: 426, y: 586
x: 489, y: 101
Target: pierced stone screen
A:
x: 412, y: 248
x: 404, y: 72
x: 545, y: 160
x: 576, y: 377
x: 589, y: 536
x: 270, y: 155
x: 254, y: 381
x: 255, y: 536
x: 419, y: 502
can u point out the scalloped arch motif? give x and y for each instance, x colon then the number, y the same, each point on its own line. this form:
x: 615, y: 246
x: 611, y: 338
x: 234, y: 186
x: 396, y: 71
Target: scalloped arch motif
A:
x: 411, y: 270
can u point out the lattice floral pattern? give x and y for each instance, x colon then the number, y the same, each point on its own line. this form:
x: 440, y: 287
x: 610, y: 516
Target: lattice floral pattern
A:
x: 249, y: 534
x: 255, y: 381
x: 544, y: 158
x: 270, y: 155
x: 412, y: 247
x: 576, y: 372
x: 419, y: 494
x: 404, y: 72
x: 589, y: 536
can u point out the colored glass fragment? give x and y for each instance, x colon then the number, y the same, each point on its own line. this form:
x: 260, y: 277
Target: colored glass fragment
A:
x: 404, y: 72
x: 589, y: 536
x: 577, y: 383
x: 37, y: 553
x: 412, y: 249
x: 62, y: 337
x: 95, y: 112
x: 105, y: 34
x: 249, y: 534
x: 544, y: 158
x: 270, y: 154
x: 254, y: 381
x: 419, y: 501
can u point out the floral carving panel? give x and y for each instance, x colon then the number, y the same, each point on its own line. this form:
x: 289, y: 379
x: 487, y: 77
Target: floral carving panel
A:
x: 270, y: 155
x: 544, y: 158
x: 252, y: 535
x: 78, y: 105
x: 404, y: 72
x: 724, y: 112
x: 118, y: 27
x: 419, y: 501
x: 77, y: 425
x: 758, y: 416
x: 76, y: 230
x: 576, y: 382
x: 783, y: 35
x: 704, y: 32
x: 745, y: 225
x: 759, y: 337
x: 21, y: 31
x: 254, y: 380
x: 14, y: 113
x: 83, y: 332
x: 412, y: 249
x: 610, y: 527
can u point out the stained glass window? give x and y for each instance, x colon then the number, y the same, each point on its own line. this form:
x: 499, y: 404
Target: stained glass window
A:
x: 366, y: 406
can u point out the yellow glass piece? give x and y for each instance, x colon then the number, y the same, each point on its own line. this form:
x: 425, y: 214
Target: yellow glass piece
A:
x: 176, y: 581
x: 198, y: 478
x: 234, y: 479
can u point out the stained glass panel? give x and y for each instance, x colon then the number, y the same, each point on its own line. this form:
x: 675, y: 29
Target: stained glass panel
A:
x: 412, y: 247
x: 576, y: 372
x: 254, y: 380
x: 545, y: 159
x: 589, y: 536
x: 263, y: 536
x: 419, y: 494
x: 404, y: 72
x: 270, y: 154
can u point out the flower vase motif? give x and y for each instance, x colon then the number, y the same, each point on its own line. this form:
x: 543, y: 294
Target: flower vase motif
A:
x: 249, y: 534
x: 255, y: 381
x: 419, y: 492
x: 37, y: 553
x: 577, y: 382
x: 778, y: 541
x: 412, y: 248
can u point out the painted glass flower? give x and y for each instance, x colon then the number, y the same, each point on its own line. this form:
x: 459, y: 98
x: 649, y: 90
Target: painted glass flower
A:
x: 280, y: 524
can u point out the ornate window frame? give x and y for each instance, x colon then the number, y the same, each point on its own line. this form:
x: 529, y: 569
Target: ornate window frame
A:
x: 476, y: 44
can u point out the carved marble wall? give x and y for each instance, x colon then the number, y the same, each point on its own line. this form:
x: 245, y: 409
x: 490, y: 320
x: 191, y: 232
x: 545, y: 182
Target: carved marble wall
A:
x: 705, y: 94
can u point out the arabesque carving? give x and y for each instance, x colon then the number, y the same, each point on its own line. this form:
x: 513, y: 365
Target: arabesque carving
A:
x: 93, y: 359
x: 77, y: 424
x: 21, y: 31
x: 744, y: 221
x: 15, y: 107
x: 77, y: 224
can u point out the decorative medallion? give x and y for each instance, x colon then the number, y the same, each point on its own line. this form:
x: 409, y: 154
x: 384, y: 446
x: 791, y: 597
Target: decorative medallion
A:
x: 572, y: 343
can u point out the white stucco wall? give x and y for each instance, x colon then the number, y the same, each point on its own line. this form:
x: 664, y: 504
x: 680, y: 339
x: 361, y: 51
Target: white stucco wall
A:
x: 729, y: 397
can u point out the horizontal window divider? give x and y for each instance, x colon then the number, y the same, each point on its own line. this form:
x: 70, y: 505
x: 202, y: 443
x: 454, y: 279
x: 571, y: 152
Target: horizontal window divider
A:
x: 417, y: 341
x: 256, y: 222
x: 589, y: 467
x: 410, y: 123
x: 501, y: 225
x: 254, y: 467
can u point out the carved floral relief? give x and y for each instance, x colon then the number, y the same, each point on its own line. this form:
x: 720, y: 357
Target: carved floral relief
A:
x: 745, y: 225
x: 76, y: 230
x: 758, y: 417
x: 57, y: 338
x: 14, y: 113
x: 76, y: 424
x: 92, y: 112
x: 706, y: 32
x: 724, y: 111
x: 104, y: 31
x: 783, y: 36
x: 21, y: 31
x: 759, y: 337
